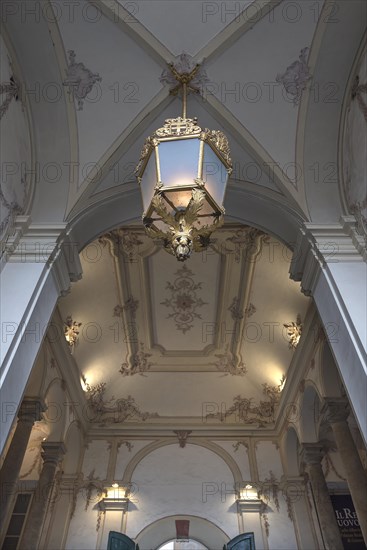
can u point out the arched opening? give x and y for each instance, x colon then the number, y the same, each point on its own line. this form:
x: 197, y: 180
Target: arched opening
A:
x: 176, y: 544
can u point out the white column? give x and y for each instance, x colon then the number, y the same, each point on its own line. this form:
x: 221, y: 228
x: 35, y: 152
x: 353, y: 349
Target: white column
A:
x: 52, y: 455
x: 337, y: 414
x: 29, y: 413
x: 37, y: 271
x: 295, y: 492
x: 312, y: 456
x: 330, y: 262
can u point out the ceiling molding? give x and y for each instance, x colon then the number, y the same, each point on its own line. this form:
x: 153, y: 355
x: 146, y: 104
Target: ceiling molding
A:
x: 243, y: 22
x: 125, y: 20
x: 129, y: 135
x: 249, y: 142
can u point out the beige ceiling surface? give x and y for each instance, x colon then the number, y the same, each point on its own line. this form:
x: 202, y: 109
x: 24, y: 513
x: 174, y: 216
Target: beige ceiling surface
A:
x: 174, y: 335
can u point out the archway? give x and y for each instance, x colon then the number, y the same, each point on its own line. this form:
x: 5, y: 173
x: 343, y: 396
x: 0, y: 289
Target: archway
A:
x: 163, y: 531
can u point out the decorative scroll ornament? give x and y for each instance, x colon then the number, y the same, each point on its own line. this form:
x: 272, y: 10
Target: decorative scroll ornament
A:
x: 244, y: 410
x: 357, y: 90
x: 221, y: 143
x: 131, y: 305
x: 71, y: 331
x: 113, y: 410
x: 294, y: 331
x: 79, y: 79
x: 178, y: 127
x: 11, y: 89
x: 184, y: 299
x: 296, y: 76
x: 182, y: 436
x: 184, y: 65
x: 229, y: 364
x: 138, y: 363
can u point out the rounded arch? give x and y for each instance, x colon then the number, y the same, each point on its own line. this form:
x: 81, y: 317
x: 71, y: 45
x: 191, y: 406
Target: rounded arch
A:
x: 55, y: 399
x: 163, y: 530
x: 145, y: 451
x: 249, y: 208
x: 310, y: 413
x: 74, y: 447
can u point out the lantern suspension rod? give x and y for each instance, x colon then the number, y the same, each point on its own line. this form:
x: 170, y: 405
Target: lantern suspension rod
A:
x: 184, y: 83
x: 184, y: 99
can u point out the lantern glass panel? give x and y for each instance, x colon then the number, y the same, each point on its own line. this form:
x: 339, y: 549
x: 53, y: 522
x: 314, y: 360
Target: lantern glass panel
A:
x: 215, y: 175
x: 148, y: 181
x: 179, y: 161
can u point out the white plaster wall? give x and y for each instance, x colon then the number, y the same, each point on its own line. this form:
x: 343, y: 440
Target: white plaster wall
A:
x: 354, y: 149
x: 82, y: 533
x: 190, y: 480
x: 124, y: 456
x: 15, y: 151
x: 268, y: 458
x: 240, y: 456
x: 96, y: 458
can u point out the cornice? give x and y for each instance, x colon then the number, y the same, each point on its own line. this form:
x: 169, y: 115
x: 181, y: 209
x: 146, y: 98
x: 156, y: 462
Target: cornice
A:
x: 321, y: 244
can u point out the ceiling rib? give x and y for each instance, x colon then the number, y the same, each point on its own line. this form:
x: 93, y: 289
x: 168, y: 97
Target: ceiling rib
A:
x: 132, y: 26
x: 244, y: 22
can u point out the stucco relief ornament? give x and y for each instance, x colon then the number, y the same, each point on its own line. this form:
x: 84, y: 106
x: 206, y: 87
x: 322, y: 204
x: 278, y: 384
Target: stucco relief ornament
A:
x: 294, y: 331
x: 296, y: 76
x: 184, y: 64
x: 11, y: 89
x: 138, y: 364
x: 229, y: 363
x: 113, y: 411
x: 184, y: 299
x: 79, y: 79
x: 71, y: 331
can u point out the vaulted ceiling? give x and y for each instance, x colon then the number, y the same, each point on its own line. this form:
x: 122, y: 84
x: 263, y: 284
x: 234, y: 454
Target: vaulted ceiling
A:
x: 178, y: 337
x: 276, y: 74
x: 274, y: 78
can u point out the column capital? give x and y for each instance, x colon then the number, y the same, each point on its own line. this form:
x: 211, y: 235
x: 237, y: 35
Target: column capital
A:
x: 336, y: 409
x: 53, y: 451
x: 312, y: 453
x: 31, y: 409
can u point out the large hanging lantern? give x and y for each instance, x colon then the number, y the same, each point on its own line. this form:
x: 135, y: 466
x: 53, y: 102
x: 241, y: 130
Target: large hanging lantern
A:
x: 183, y: 172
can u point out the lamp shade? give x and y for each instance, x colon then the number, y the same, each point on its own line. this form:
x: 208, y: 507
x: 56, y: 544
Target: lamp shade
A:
x: 183, y: 173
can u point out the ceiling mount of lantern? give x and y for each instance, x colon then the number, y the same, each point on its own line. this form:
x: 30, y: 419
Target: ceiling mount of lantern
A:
x: 183, y: 172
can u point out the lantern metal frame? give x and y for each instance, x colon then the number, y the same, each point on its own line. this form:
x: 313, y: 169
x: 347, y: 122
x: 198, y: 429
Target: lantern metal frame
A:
x: 180, y: 229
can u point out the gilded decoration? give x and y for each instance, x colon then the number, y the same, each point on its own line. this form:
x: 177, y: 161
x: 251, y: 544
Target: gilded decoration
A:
x: 244, y: 409
x: 138, y: 364
x: 71, y: 331
x: 220, y: 141
x: 184, y: 300
x: 113, y: 411
x: 182, y: 237
x: 178, y: 127
x: 294, y: 331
